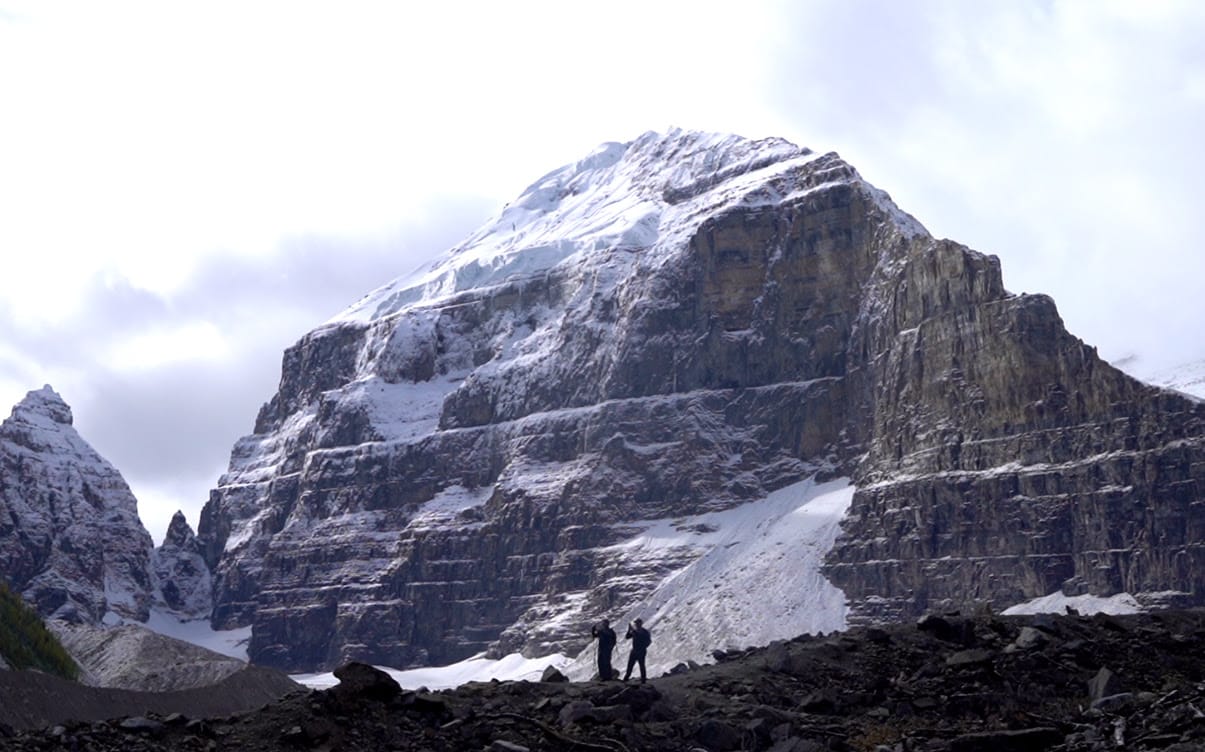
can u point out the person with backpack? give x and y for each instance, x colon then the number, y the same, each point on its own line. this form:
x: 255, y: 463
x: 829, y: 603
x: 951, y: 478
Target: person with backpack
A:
x: 606, y: 644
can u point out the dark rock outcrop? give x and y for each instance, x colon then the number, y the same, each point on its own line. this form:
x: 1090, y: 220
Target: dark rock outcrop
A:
x: 679, y: 324
x: 883, y: 689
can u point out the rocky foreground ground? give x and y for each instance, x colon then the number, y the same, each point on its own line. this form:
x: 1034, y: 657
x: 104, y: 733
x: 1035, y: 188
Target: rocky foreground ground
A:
x: 945, y: 683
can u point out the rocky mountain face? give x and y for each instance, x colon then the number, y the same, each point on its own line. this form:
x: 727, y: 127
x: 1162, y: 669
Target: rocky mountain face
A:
x: 1005, y: 460
x: 72, y: 545
x: 70, y: 539
x: 182, y: 578
x: 473, y: 457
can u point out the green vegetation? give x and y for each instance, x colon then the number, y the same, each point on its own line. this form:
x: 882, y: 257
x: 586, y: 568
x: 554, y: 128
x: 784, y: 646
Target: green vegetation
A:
x: 26, y: 643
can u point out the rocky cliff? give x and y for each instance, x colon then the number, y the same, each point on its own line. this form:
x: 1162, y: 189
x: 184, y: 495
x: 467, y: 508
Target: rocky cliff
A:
x: 183, y: 583
x: 530, y: 433
x: 70, y: 539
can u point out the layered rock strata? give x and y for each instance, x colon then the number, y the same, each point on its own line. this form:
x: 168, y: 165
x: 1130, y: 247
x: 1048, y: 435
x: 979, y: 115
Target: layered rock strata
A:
x: 1006, y: 460
x: 678, y: 324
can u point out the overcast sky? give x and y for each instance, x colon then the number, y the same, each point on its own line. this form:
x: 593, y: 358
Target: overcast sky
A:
x: 186, y: 189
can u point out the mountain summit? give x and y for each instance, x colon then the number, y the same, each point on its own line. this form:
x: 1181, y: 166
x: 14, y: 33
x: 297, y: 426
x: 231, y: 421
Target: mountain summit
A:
x: 726, y: 385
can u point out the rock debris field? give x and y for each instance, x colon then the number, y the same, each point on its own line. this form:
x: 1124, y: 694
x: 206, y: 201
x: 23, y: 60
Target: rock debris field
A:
x: 946, y: 682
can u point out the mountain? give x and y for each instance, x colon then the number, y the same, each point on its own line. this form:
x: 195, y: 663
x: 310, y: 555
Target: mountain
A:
x: 183, y: 582
x: 71, y: 541
x: 723, y: 384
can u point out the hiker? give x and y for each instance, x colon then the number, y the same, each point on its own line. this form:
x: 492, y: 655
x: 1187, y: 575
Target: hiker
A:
x: 640, y: 638
x: 606, y: 643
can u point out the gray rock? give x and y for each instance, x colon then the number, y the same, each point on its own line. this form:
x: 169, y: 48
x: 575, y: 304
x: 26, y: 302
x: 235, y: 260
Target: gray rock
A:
x: 718, y: 736
x: 361, y: 680
x: 1103, y: 684
x: 1119, y: 702
x: 972, y: 657
x: 553, y: 674
x: 1030, y: 638
x: 576, y: 711
x: 795, y: 744
x: 612, y: 713
x: 1020, y: 740
x: 140, y: 724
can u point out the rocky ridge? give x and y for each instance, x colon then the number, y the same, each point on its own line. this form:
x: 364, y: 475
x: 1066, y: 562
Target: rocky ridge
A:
x: 71, y: 541
x: 948, y: 683
x: 463, y: 459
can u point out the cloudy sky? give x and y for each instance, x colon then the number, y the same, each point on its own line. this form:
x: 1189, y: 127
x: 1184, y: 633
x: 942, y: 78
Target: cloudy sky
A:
x: 186, y: 189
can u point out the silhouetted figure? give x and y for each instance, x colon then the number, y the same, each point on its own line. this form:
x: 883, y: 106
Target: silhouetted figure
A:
x: 640, y: 638
x: 606, y: 644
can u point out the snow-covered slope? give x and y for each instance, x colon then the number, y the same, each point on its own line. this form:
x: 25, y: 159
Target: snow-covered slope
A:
x: 619, y: 197
x: 756, y: 579
x: 1188, y: 378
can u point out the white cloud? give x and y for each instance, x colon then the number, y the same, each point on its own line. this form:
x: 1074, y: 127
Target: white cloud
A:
x: 1061, y: 136
x: 159, y: 346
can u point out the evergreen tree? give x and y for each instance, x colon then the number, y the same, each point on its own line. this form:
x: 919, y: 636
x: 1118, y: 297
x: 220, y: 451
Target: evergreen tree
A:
x: 25, y: 642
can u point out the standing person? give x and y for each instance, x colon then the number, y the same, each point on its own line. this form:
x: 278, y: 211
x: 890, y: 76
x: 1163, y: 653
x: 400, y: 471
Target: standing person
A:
x: 606, y: 643
x: 641, y: 639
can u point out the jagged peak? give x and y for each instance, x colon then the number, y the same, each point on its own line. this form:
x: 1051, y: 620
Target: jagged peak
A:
x: 40, y: 405
x: 179, y: 532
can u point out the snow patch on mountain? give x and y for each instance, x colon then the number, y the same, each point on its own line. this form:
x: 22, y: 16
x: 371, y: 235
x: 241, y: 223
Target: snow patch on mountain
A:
x: 229, y: 642
x: 757, y: 579
x: 1188, y: 378
x: 513, y: 667
x: 1058, y: 603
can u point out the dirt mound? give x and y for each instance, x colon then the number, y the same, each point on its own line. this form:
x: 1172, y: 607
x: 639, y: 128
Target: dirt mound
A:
x: 32, y: 700
x: 134, y: 657
x: 946, y: 684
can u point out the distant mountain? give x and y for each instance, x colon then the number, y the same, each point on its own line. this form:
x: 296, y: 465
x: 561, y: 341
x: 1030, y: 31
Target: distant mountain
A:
x: 620, y: 396
x: 72, y: 545
x: 183, y: 583
x: 71, y: 541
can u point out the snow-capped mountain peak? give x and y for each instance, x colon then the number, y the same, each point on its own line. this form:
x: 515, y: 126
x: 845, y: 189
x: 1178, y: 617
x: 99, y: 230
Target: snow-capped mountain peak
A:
x: 43, y: 410
x: 623, y: 196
